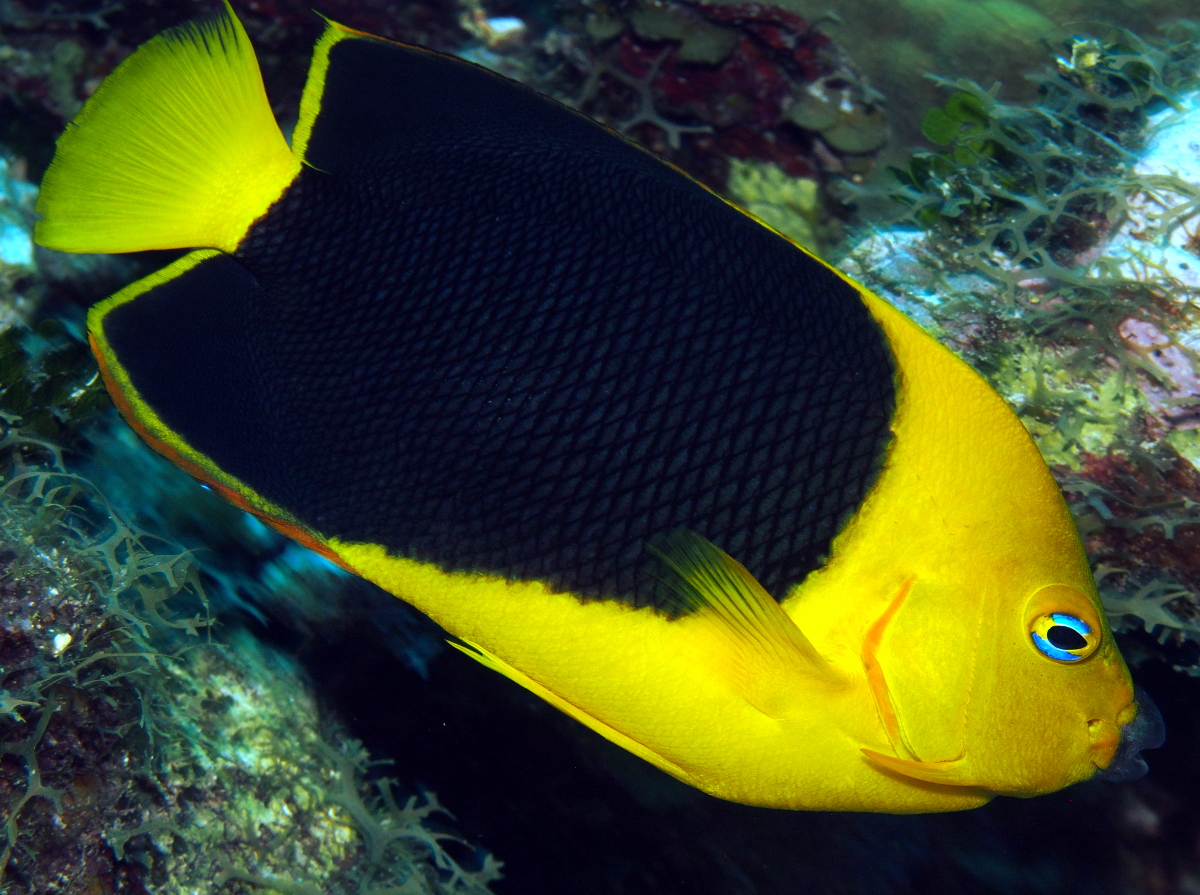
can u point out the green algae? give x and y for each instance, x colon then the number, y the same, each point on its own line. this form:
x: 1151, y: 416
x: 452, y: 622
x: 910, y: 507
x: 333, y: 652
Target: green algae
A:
x: 699, y: 40
x: 93, y: 612
x: 791, y: 205
x: 1066, y: 415
x: 219, y: 773
x: 139, y: 743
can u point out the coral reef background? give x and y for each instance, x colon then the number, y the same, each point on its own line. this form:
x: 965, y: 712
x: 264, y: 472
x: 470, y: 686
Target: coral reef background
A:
x: 896, y: 43
x: 191, y: 703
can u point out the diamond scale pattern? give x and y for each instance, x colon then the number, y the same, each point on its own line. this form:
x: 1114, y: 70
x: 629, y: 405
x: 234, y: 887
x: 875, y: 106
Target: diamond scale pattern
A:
x: 531, y: 359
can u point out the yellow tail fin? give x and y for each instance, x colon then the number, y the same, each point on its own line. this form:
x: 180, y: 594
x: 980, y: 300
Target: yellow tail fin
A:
x: 177, y: 149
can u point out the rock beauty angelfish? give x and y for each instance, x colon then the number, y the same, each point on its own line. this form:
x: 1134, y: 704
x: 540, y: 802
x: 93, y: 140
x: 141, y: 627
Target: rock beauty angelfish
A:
x: 632, y: 448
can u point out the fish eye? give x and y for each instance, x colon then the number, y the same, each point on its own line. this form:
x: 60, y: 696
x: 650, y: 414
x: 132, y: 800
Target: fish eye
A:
x: 1064, y: 637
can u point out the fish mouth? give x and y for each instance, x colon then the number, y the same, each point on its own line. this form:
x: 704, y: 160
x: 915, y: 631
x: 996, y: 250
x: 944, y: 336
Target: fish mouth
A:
x: 1145, y: 731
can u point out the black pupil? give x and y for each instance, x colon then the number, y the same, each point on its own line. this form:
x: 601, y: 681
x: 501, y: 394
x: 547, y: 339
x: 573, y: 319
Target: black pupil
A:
x: 1065, y: 638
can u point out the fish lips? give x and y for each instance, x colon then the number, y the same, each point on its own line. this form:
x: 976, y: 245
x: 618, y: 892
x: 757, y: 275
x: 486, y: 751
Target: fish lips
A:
x: 1145, y: 731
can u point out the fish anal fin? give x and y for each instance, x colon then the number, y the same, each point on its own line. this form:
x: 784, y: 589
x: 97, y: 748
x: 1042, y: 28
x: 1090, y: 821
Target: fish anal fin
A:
x: 137, y: 337
x: 764, y: 649
x: 955, y: 772
x: 494, y: 662
x: 178, y: 148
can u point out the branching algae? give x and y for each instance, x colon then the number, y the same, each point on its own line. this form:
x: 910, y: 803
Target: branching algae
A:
x: 138, y: 744
x: 138, y: 748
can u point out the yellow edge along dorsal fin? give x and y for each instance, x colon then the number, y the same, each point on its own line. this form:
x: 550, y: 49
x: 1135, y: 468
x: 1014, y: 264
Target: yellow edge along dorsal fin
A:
x: 178, y: 148
x: 494, y: 662
x: 314, y: 85
x: 762, y: 648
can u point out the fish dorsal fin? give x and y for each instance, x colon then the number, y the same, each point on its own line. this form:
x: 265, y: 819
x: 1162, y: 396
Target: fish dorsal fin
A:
x: 178, y: 148
x: 368, y: 99
x: 314, y: 86
x: 762, y: 647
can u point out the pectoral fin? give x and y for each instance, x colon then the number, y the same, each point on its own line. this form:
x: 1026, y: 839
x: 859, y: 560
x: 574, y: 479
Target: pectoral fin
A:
x: 766, y: 656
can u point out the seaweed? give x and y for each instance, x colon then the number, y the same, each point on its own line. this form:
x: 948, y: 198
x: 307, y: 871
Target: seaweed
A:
x: 137, y: 747
x: 402, y: 850
x: 140, y: 748
x: 93, y: 609
x: 1032, y: 199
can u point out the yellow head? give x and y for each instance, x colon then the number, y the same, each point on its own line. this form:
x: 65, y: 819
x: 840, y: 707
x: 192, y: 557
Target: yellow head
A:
x: 994, y: 665
x: 1059, y: 692
x: 1022, y: 697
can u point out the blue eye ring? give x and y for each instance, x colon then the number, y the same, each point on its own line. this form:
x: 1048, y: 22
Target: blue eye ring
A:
x: 1076, y: 640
